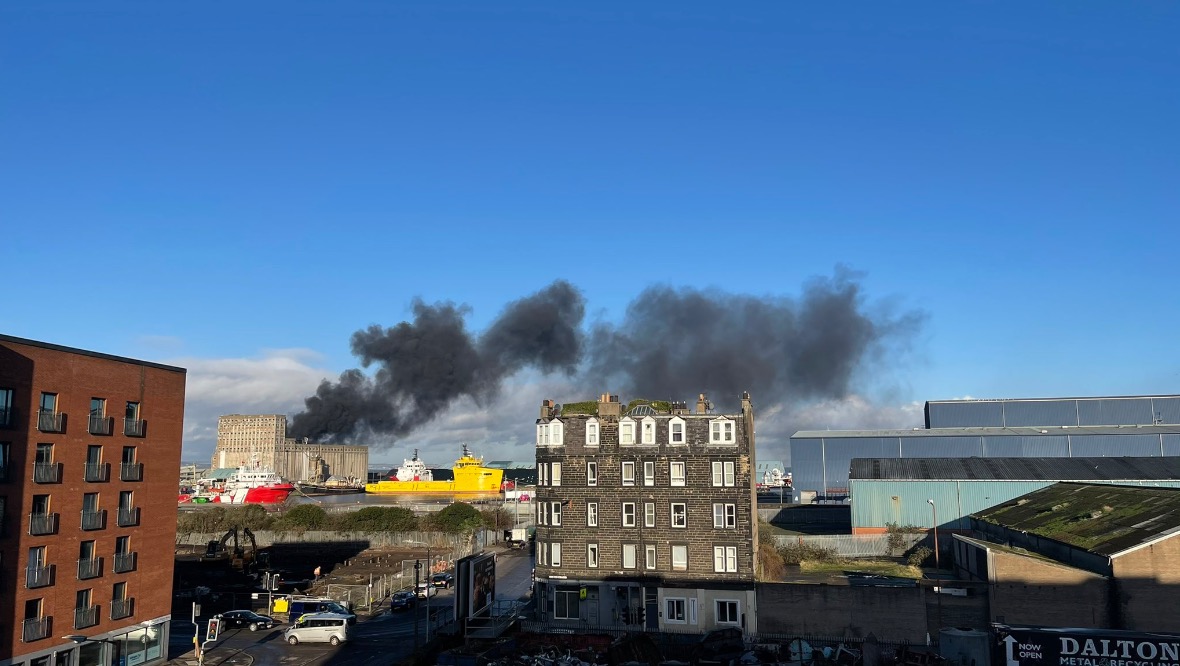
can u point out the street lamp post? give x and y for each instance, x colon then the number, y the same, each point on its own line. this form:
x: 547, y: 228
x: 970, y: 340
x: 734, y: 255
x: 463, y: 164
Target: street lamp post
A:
x: 937, y: 567
x: 934, y: 509
x: 429, y: 584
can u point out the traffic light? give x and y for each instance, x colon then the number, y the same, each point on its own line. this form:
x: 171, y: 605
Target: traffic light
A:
x: 214, y: 629
x: 642, y: 615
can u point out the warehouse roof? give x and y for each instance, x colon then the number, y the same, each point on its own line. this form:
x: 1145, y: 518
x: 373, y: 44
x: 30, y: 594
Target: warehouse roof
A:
x: 1103, y: 519
x: 995, y: 432
x: 1088, y: 397
x: 1016, y: 469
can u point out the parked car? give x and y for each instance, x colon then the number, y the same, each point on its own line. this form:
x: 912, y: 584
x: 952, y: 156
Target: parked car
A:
x: 425, y: 590
x: 403, y: 600
x: 244, y: 618
x: 443, y: 580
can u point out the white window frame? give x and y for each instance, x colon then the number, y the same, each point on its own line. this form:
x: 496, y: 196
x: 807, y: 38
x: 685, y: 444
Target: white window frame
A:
x: 647, y: 431
x: 674, y: 480
x: 724, y: 474
x: 555, y: 514
x: 725, y: 559
x: 649, y: 472
x: 628, y: 465
x: 649, y: 514
x: 542, y: 548
x: 672, y: 425
x: 591, y: 473
x: 543, y: 474
x: 724, y: 516
x: 555, y: 474
x: 627, y: 431
x: 631, y: 506
x: 592, y: 431
x: 591, y: 514
x: 592, y: 555
x: 737, y: 611
x: 556, y: 433
x: 542, y: 434
x: 670, y: 614
x: 683, y: 564
x: 722, y: 432
x: 630, y: 549
x: 649, y: 557
x: 565, y: 596
x: 555, y: 554
x: 683, y: 515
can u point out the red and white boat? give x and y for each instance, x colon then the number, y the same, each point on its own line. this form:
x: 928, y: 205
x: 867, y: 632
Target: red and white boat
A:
x: 249, y: 485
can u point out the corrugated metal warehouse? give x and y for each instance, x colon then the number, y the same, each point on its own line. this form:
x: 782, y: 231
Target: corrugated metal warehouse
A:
x: 1143, y: 426
x: 899, y: 490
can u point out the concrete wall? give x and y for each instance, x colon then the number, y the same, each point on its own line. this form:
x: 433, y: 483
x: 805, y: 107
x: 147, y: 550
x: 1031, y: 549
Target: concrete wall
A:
x: 890, y: 613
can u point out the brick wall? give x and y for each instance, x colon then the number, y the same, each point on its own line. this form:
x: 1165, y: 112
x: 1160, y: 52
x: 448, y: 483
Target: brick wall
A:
x: 1033, y: 591
x: 1147, y: 580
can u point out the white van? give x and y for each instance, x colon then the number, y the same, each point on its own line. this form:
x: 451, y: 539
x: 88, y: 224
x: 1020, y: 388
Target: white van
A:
x: 318, y: 628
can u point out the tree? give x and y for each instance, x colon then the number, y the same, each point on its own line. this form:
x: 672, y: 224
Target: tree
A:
x: 457, y: 518
x: 379, y: 519
x: 498, y: 519
x: 304, y: 517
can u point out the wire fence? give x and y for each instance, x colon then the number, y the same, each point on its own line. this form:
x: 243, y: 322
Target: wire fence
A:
x: 855, y: 545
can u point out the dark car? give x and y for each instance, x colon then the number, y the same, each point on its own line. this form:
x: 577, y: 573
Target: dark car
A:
x: 244, y: 618
x: 443, y: 580
x: 403, y: 600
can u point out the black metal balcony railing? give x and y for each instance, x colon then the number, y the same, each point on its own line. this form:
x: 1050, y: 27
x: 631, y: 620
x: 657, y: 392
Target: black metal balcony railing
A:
x: 35, y: 628
x: 124, y: 562
x: 91, y: 568
x: 48, y: 421
x: 97, y: 472
x: 101, y: 425
x: 41, y: 524
x: 38, y: 576
x: 128, y: 517
x: 85, y: 617
x: 121, y: 608
x: 134, y: 427
x: 47, y: 472
x: 94, y: 520
x: 131, y: 472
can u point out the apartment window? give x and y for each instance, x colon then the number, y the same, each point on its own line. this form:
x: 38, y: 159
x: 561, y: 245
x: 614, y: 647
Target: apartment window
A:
x: 676, y: 470
x: 132, y: 411
x: 592, y: 432
x: 727, y: 611
x: 90, y: 503
x: 94, y: 455
x: 592, y: 555
x: 626, y: 432
x: 5, y: 451
x: 542, y: 554
x: 44, y: 454
x: 725, y: 559
x: 543, y: 474
x: 37, y: 558
x: 119, y: 592
x: 99, y: 425
x: 5, y: 408
x: 629, y: 553
x: 555, y: 513
x: 33, y: 609
x: 723, y: 474
x: 126, y: 500
x: 49, y: 403
x: 592, y: 514
x: 628, y: 473
x: 649, y: 514
x: 555, y: 474
x: 676, y: 432
x: 128, y: 455
x: 542, y: 434
x: 674, y: 611
x: 556, y: 433
x: 543, y: 513
x: 565, y: 602
x: 592, y: 474
x: 725, y: 516
x: 649, y: 473
x: 122, y: 545
x: 628, y: 514
x: 40, y: 504
x: 721, y: 432
x: 555, y: 554
x: 679, y: 515
x: 649, y: 557
x: 679, y: 557
x: 649, y: 430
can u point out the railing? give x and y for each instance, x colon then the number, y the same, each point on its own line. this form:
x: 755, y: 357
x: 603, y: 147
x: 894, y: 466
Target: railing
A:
x: 121, y: 608
x: 91, y: 568
x: 44, y: 472
x: 85, y: 617
x: 124, y: 562
x: 94, y: 520
x: 128, y: 517
x: 131, y: 472
x: 38, y: 576
x: 134, y: 427
x: 41, y: 524
x: 101, y: 425
x: 48, y: 421
x: 35, y: 628
x: 97, y: 472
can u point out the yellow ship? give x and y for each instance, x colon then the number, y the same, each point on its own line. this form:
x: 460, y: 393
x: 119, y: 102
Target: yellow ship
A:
x: 472, y: 479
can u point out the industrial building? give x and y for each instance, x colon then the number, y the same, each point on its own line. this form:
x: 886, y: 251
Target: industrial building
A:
x: 1140, y: 426
x: 917, y: 491
x: 646, y: 517
x: 248, y: 439
x: 89, y: 448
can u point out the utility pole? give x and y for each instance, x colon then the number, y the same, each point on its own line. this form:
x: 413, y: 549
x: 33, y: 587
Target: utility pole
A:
x: 196, y: 629
x: 417, y: 576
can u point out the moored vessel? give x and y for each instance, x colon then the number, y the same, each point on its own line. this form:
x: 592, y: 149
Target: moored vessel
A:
x: 249, y: 485
x: 472, y: 479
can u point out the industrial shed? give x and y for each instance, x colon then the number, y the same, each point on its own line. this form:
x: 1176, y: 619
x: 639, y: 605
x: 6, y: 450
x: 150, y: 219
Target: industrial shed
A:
x: 893, y: 490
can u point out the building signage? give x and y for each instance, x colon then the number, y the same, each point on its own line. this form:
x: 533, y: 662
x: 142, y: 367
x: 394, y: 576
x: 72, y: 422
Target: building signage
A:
x: 1021, y: 646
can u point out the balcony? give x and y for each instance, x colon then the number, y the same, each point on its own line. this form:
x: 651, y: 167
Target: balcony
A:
x: 47, y: 472
x: 38, y: 576
x: 94, y: 520
x: 91, y: 568
x: 131, y: 472
x: 48, y: 421
x: 134, y: 427
x: 85, y: 617
x: 124, y: 562
x: 101, y: 425
x: 36, y: 628
x: 41, y: 524
x: 97, y: 472
x: 128, y: 516
x: 121, y: 608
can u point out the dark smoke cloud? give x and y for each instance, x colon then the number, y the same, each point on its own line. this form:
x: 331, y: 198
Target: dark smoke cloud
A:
x: 671, y: 344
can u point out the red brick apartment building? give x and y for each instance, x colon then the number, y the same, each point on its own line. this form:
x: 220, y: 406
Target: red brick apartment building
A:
x: 89, y: 453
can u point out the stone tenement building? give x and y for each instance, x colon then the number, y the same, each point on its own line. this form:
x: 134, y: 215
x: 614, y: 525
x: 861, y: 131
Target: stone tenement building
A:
x: 646, y: 519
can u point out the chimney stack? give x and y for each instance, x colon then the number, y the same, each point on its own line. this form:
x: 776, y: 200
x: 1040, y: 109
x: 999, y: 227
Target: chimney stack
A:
x: 546, y: 409
x: 702, y: 405
x: 609, y: 407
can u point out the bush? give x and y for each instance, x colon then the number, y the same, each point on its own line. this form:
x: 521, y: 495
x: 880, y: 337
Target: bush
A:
x: 378, y: 519
x: 252, y: 516
x: 202, y: 521
x: 800, y: 551
x: 303, y: 517
x: 919, y: 555
x: 456, y: 519
x: 770, y: 561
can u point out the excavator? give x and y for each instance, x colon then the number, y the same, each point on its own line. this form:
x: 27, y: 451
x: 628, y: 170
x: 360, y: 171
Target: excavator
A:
x: 245, y: 555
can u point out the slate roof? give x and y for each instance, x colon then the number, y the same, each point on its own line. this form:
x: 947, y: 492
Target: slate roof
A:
x: 1017, y: 469
x: 1100, y: 518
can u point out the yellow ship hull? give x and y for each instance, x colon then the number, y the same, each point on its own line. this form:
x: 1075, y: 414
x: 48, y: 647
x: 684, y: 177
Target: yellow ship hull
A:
x: 484, y: 483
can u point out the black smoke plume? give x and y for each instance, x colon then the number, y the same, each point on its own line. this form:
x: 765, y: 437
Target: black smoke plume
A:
x: 671, y: 344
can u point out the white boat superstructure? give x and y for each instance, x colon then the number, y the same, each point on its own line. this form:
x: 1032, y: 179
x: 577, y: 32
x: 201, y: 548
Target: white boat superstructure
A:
x: 413, y: 469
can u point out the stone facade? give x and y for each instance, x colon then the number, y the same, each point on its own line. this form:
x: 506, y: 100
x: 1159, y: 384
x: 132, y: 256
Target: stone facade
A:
x: 647, y: 518
x: 242, y: 438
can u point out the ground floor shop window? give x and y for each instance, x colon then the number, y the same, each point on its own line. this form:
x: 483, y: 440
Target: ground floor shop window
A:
x: 565, y: 604
x: 727, y: 612
x: 675, y: 612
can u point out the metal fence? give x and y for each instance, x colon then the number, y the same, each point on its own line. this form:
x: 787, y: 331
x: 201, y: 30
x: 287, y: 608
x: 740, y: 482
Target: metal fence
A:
x: 854, y: 545
x: 364, y: 597
x: 670, y: 640
x: 451, y: 542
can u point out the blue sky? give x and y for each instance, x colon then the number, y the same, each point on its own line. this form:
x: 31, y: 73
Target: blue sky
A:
x: 238, y: 187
